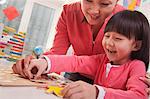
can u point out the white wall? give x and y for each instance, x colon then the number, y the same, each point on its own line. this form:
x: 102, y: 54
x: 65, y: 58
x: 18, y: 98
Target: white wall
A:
x: 145, y: 9
x: 71, y: 1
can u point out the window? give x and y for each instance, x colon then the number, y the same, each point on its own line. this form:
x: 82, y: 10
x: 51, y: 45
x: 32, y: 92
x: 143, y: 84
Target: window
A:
x: 37, y: 18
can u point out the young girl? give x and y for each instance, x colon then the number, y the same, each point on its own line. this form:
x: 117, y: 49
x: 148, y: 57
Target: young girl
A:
x: 116, y: 73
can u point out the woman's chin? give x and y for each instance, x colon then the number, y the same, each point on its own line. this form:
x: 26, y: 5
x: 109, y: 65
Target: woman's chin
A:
x: 93, y: 22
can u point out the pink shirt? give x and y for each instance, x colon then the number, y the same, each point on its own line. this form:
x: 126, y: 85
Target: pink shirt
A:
x: 73, y: 30
x: 122, y: 82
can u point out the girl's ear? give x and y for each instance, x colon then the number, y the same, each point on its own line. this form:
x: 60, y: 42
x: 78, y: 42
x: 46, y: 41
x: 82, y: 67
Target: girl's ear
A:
x: 137, y: 45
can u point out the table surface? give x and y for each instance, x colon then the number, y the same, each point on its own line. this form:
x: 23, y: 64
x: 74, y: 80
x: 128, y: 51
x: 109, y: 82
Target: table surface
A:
x: 22, y: 92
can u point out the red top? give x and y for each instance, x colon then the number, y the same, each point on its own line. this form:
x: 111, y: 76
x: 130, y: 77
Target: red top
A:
x: 122, y: 82
x: 73, y: 30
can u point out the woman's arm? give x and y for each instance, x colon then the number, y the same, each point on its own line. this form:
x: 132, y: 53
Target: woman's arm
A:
x: 61, y: 41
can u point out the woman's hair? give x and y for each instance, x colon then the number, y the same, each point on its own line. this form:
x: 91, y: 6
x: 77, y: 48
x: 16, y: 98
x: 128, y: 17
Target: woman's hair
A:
x: 132, y: 24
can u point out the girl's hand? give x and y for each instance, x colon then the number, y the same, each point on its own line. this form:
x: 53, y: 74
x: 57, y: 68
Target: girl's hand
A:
x: 79, y: 90
x: 41, y: 65
x: 20, y: 66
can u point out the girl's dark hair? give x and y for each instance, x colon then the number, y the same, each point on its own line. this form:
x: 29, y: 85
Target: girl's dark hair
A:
x: 132, y: 24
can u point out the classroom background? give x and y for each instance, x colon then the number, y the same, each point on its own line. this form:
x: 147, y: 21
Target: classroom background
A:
x: 26, y: 24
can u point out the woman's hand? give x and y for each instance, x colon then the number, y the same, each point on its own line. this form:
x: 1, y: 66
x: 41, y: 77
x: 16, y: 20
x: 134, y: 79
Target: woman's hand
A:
x: 79, y: 90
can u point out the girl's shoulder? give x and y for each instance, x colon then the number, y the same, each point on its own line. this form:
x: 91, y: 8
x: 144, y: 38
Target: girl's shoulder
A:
x: 136, y: 61
x: 136, y: 65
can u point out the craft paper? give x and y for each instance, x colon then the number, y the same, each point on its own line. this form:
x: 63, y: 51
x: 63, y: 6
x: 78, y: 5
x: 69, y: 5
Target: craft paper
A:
x: 11, y: 12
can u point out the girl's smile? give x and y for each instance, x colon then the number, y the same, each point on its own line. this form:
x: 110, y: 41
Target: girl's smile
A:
x: 118, y: 47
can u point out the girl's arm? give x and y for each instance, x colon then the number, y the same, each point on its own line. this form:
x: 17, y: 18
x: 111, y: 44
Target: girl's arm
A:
x: 82, y: 64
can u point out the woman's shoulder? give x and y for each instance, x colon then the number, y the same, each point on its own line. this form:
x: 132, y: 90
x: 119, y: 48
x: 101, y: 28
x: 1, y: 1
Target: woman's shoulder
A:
x: 119, y: 8
x: 76, y: 6
x: 72, y: 7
